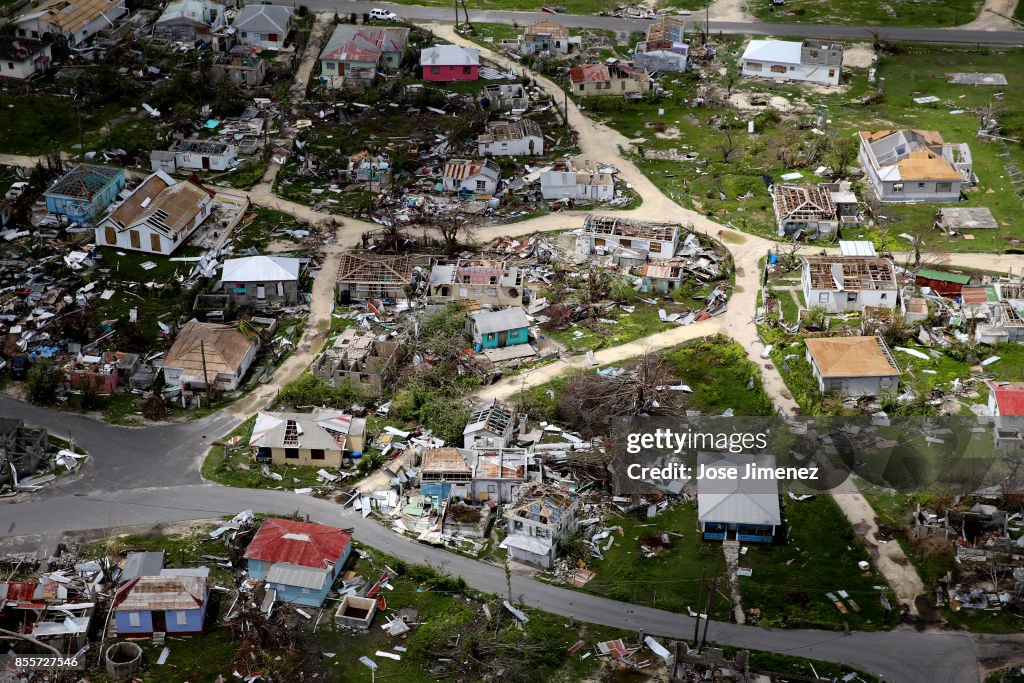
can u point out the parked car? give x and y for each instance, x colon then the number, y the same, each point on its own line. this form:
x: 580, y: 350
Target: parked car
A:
x: 17, y: 189
x: 383, y: 15
x: 19, y: 366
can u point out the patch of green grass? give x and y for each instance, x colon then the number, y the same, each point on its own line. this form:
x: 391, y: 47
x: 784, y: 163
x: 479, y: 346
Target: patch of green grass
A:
x: 789, y: 582
x: 643, y: 322
x: 568, y: 6
x: 255, y: 230
x: 924, y: 13
x: 721, y: 376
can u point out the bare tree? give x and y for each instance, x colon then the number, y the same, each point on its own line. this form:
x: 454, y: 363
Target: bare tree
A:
x: 727, y: 145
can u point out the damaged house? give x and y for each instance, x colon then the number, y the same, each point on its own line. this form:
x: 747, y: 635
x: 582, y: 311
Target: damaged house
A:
x: 22, y: 451
x: 471, y: 176
x: 853, y: 366
x: 812, y: 60
x: 263, y: 282
x: 445, y: 473
x: 158, y: 216
x: 491, y: 425
x: 299, y: 561
x: 83, y: 193
x: 359, y: 357
x: 915, y: 165
x: 841, y: 284
x: 209, y: 355
x: 541, y: 517
x: 72, y: 22
x: 318, y: 439
x: 510, y: 98
x: 498, y: 473
x: 572, y: 180
x: 548, y: 37
x: 607, y: 235
x: 189, y: 21
x: 23, y: 58
x: 664, y: 49
x: 1005, y: 315
x: 738, y: 509
x: 816, y: 210
x: 511, y: 138
x: 354, y: 54
x: 363, y: 276
x: 609, y: 80
x: 174, y: 602
x: 488, y: 282
x: 201, y: 155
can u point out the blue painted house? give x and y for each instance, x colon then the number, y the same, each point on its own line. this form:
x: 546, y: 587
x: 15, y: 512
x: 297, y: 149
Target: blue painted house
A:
x: 83, y: 193
x: 298, y: 560
x: 498, y: 329
x: 173, y: 602
x: 740, y: 508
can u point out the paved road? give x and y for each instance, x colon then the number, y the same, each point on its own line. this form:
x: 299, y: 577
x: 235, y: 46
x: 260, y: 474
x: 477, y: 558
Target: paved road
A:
x: 124, y: 457
x: 903, y: 655
x: 916, y: 35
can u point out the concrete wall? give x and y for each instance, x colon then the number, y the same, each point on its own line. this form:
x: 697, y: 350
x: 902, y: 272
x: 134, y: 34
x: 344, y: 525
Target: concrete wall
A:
x: 451, y: 73
x: 853, y: 386
x: 826, y: 75
x: 274, y: 293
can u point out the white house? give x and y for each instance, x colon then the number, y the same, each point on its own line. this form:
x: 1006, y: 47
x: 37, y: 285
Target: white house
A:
x: 157, y: 217
x: 506, y: 138
x: 843, y: 284
x: 491, y: 425
x: 606, y: 235
x: 261, y: 281
x: 475, y: 176
x: 549, y: 37
x: 74, y: 22
x: 812, y: 60
x: 742, y: 508
x: 23, y: 58
x: 263, y: 26
x: 853, y: 366
x: 204, y: 155
x: 1006, y: 404
x: 190, y: 21
x: 577, y: 185
x: 541, y: 517
x: 915, y: 165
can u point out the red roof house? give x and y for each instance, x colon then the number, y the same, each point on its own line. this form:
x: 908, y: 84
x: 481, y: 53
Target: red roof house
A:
x: 298, y: 559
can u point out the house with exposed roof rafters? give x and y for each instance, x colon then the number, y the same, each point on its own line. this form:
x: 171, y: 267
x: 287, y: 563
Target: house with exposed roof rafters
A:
x: 298, y: 561
x: 542, y: 516
x: 318, y: 439
x: 82, y: 194
x: 159, y: 215
x: 363, y: 276
x: 73, y: 22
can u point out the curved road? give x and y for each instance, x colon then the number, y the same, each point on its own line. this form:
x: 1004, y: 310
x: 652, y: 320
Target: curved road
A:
x: 117, y: 489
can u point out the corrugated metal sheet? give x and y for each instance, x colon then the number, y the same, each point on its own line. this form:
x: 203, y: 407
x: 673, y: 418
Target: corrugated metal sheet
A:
x: 298, y: 543
x: 294, y: 575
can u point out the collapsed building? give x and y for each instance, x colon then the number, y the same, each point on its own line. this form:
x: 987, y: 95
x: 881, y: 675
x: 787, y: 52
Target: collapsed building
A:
x: 360, y: 358
x: 23, y: 451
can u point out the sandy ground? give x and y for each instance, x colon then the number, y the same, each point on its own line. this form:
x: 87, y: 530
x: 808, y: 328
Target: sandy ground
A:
x: 858, y: 56
x: 728, y: 10
x: 987, y: 21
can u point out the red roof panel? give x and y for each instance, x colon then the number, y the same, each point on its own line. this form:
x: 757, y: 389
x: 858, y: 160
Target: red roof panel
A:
x: 300, y: 543
x: 1009, y: 397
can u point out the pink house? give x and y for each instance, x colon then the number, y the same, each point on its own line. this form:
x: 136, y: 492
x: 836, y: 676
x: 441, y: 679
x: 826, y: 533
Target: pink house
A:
x: 450, y: 63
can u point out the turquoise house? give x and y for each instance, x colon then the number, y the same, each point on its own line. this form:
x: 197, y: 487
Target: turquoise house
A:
x: 84, y: 193
x: 498, y: 329
x: 298, y: 560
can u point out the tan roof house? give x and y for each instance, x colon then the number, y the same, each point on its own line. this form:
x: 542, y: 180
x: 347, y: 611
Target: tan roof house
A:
x: 209, y: 354
x: 853, y: 366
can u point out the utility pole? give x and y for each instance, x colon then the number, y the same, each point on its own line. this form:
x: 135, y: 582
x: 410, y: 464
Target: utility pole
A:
x: 565, y: 106
x: 711, y: 597
x: 202, y: 353
x: 700, y: 594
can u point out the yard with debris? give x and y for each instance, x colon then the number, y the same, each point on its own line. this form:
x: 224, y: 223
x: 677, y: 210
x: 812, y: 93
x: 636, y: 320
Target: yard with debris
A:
x: 692, y: 153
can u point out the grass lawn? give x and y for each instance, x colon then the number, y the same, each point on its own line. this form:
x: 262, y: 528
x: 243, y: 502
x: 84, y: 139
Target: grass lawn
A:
x: 643, y: 322
x: 567, y: 6
x: 789, y: 582
x: 922, y: 13
x: 256, y: 230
